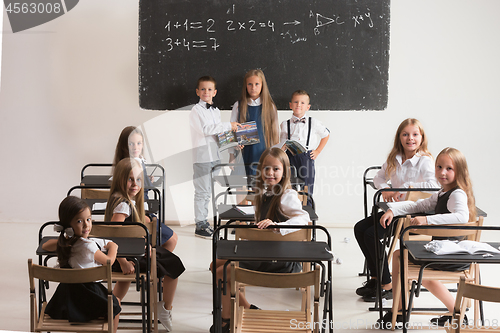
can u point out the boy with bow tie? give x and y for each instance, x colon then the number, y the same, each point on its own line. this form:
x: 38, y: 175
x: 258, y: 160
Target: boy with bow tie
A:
x: 205, y: 124
x: 309, y: 132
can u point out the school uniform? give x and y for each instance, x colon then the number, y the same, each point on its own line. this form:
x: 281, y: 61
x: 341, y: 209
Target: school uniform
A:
x: 167, y: 263
x: 417, y: 171
x: 82, y: 302
x: 308, y: 132
x: 293, y: 214
x: 205, y: 122
x: 449, y: 208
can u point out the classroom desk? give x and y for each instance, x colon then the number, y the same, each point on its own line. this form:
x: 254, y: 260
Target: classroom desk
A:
x: 243, y: 250
x: 230, y: 212
x: 426, y: 259
x: 127, y: 247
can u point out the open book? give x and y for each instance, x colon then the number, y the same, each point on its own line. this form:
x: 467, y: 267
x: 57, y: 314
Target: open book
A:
x: 440, y: 247
x: 246, y: 135
x: 294, y: 147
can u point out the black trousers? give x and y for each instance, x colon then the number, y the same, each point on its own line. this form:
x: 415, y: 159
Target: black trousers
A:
x: 364, y: 231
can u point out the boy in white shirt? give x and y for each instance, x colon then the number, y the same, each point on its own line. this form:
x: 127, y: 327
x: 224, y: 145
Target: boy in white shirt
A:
x: 205, y: 124
x: 310, y: 133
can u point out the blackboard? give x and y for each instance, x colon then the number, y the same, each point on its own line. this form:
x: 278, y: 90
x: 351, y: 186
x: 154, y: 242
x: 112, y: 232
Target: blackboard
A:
x: 338, y: 51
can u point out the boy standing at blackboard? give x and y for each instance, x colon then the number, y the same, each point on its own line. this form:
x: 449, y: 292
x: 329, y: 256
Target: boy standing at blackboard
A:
x: 310, y: 133
x: 205, y: 124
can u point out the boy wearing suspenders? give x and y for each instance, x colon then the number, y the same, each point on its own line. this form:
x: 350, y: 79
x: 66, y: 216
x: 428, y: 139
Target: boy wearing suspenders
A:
x: 309, y: 132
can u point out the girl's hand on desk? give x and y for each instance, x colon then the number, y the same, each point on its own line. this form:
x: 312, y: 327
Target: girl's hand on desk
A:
x: 391, y: 196
x: 386, y: 219
x: 127, y: 267
x: 419, y: 220
x: 111, y: 246
x: 265, y: 223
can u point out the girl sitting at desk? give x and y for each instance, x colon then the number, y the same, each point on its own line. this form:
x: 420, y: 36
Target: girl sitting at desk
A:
x: 275, y: 204
x: 453, y: 204
x: 126, y: 204
x: 80, y: 302
x: 131, y: 144
x: 409, y: 164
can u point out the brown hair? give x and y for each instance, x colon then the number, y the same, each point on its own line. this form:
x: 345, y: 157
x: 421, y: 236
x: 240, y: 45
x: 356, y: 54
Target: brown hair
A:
x: 68, y: 209
x: 462, y: 178
x: 302, y: 93
x: 398, y: 149
x: 122, y: 150
x: 278, y: 189
x: 206, y: 78
x: 119, y: 193
x: 269, y: 117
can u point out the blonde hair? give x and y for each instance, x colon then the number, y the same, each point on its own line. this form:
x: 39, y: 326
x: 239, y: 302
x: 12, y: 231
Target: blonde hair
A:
x: 269, y: 117
x: 119, y: 193
x: 122, y: 149
x: 278, y: 189
x: 398, y: 148
x: 462, y: 178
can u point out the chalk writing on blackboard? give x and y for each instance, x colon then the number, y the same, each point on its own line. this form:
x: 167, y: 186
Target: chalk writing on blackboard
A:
x: 339, y: 50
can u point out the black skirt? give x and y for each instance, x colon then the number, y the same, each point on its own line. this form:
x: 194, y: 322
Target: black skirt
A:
x: 167, y: 264
x: 80, y: 302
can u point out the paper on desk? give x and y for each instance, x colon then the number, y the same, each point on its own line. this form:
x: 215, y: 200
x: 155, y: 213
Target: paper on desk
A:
x: 440, y: 247
x: 99, y: 206
x: 397, y: 204
x: 247, y: 210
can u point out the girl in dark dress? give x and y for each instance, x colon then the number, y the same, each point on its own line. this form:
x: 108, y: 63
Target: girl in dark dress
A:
x: 257, y: 105
x: 80, y: 302
x: 275, y: 203
x: 126, y: 204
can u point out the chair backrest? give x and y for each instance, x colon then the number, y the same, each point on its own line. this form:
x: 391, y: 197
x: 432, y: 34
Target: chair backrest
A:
x: 270, y: 235
x: 90, y: 193
x: 67, y: 275
x: 469, y: 234
x: 416, y: 195
x: 465, y: 291
x: 132, y: 231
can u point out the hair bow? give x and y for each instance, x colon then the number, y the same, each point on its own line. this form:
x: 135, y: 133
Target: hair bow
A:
x: 68, y: 231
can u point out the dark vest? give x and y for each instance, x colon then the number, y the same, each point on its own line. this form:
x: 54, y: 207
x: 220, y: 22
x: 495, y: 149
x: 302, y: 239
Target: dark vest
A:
x: 442, y: 208
x: 275, y: 216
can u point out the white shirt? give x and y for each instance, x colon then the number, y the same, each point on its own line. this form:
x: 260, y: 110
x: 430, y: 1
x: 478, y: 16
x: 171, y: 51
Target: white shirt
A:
x: 457, y: 205
x: 418, y: 171
x: 83, y: 252
x: 298, y: 132
x: 292, y: 206
x: 205, y: 125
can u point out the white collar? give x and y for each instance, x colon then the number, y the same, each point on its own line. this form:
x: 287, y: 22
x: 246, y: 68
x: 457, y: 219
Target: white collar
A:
x: 255, y: 102
x: 414, y: 160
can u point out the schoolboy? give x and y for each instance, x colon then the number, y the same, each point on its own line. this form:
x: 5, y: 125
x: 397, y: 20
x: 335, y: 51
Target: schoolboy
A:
x: 309, y: 132
x: 205, y: 122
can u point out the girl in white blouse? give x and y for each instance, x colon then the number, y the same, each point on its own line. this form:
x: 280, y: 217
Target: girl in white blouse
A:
x: 409, y: 164
x: 453, y: 204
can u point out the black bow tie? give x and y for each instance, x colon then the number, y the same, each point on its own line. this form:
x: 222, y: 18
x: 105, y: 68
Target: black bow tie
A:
x: 301, y: 120
x: 211, y: 106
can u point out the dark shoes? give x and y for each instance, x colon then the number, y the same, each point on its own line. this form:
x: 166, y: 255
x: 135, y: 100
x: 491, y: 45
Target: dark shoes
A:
x: 367, y: 287
x: 204, y: 230
x: 225, y: 326
x: 441, y: 321
x: 372, y: 296
x: 254, y: 307
x: 386, y: 321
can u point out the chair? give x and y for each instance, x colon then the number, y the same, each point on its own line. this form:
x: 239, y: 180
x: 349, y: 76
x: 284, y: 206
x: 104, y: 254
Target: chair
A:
x: 43, y: 323
x: 251, y: 320
x: 412, y: 271
x: 410, y: 196
x: 301, y: 235
x: 135, y: 231
x: 466, y: 291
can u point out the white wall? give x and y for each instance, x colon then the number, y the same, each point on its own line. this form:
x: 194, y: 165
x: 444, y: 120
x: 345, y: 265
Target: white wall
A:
x: 70, y: 86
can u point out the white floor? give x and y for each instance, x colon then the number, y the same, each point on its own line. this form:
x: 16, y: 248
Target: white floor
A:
x: 193, y: 301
